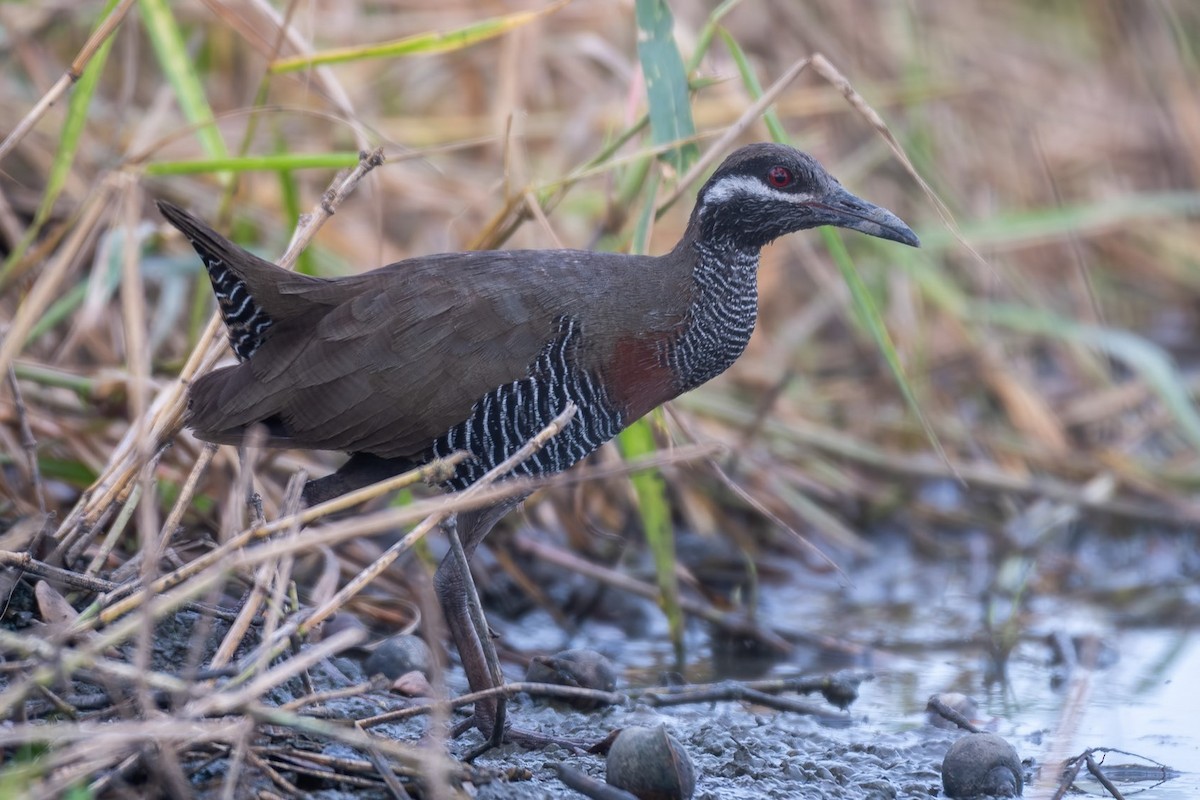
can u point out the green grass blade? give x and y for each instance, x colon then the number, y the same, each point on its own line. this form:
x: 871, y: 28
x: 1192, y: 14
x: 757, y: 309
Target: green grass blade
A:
x: 272, y: 162
x: 869, y: 316
x: 753, y: 87
x: 655, y: 511
x: 704, y: 40
x: 50, y: 376
x: 666, y: 83
x: 420, y: 44
x: 73, y: 125
x: 68, y: 146
x: 172, y: 53
x: 653, y: 505
x: 69, y: 471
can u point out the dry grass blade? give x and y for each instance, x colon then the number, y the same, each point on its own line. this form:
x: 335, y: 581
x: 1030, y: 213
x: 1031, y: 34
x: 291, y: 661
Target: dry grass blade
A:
x: 166, y: 413
x: 215, y: 559
x: 251, y: 32
x: 843, y: 85
x: 476, y: 490
x: 1058, y: 374
x: 28, y: 442
x: 831, y: 73
x: 107, y: 28
x: 49, y: 284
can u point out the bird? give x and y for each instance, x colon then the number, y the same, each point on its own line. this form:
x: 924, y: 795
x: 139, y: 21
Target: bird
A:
x: 480, y: 350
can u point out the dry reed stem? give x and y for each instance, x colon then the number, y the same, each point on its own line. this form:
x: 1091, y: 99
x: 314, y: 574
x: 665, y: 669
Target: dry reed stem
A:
x: 272, y: 644
x: 165, y: 604
x: 388, y: 519
x: 282, y: 599
x: 277, y: 572
x: 166, y: 413
x: 325, y: 76
x: 245, y: 753
x: 23, y: 562
x: 48, y: 286
x: 213, y: 558
x: 360, y: 581
x: 28, y: 442
x: 241, y: 624
x: 107, y: 27
x: 333, y: 197
x: 377, y: 522
x: 203, y: 572
x: 175, y: 516
x: 68, y: 660
x: 320, y: 698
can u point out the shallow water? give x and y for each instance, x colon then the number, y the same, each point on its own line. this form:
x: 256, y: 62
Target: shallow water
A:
x: 921, y: 627
x: 918, y: 624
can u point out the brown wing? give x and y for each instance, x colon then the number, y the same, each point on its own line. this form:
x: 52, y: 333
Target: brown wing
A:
x: 388, y: 361
x: 273, y: 289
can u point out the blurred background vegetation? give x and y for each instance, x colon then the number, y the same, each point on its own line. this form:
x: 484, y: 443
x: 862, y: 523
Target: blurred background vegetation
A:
x: 1046, y: 327
x: 1046, y: 330
x: 1061, y: 137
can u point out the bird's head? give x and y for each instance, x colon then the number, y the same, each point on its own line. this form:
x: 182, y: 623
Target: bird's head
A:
x: 763, y: 191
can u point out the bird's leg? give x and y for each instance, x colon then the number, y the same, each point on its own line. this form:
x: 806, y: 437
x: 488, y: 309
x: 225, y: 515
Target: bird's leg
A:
x: 468, y: 628
x: 457, y: 594
x: 481, y: 636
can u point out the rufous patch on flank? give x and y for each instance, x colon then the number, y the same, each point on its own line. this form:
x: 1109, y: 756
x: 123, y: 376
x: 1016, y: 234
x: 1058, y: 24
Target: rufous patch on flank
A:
x: 639, y: 377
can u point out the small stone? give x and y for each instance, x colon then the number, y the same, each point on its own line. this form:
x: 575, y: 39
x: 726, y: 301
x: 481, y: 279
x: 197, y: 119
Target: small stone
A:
x: 413, y: 684
x: 398, y: 656
x: 650, y: 764
x: 584, y: 668
x: 340, y: 622
x: 980, y: 765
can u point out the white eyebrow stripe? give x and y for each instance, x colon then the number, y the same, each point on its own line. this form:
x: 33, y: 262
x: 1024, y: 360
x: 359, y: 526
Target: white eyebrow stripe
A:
x: 733, y: 185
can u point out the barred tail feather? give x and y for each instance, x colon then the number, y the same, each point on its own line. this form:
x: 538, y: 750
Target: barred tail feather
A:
x: 245, y: 318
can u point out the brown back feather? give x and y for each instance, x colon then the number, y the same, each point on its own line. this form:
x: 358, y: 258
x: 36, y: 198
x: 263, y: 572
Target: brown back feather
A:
x: 387, y: 361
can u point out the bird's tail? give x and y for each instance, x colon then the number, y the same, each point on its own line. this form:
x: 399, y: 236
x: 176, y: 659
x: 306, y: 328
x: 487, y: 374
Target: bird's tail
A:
x: 229, y: 269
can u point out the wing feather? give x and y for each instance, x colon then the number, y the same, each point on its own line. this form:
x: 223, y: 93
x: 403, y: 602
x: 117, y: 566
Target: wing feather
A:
x: 387, y: 361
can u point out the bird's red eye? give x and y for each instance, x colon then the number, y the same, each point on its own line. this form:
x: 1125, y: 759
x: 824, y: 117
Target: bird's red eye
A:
x: 779, y: 177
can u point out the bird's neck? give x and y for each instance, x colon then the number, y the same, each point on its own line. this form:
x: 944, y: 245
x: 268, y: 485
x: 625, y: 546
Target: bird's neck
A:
x: 723, y: 310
